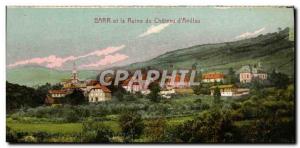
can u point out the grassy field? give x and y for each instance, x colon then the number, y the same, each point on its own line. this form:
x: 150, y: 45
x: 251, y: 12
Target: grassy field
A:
x: 33, y: 124
x: 71, y: 128
x: 64, y: 128
x: 52, y: 126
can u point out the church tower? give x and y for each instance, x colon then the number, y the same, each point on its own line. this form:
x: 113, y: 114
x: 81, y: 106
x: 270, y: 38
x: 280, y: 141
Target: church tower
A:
x: 74, y: 75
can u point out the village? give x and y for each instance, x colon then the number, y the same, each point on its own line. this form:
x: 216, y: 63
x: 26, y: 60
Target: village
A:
x: 150, y: 75
x: 95, y: 92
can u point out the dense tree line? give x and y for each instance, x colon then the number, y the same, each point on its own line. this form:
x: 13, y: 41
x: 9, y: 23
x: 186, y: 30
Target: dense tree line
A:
x: 18, y: 96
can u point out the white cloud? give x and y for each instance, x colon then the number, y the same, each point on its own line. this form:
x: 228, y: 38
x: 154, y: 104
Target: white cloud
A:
x: 154, y: 29
x: 106, y: 60
x: 55, y: 61
x: 250, y: 34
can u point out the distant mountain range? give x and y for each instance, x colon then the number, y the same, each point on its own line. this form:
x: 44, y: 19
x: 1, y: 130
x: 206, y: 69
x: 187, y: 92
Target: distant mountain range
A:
x: 273, y: 51
x: 36, y: 75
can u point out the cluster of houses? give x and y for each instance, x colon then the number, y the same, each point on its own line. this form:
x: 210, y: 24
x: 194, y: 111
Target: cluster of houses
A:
x: 95, y: 92
x: 168, y: 88
x: 91, y: 89
x: 247, y: 74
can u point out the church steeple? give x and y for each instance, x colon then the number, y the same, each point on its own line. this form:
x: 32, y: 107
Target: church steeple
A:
x: 74, y: 76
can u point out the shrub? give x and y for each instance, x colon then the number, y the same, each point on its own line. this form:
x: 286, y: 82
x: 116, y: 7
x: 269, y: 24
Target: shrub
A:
x: 71, y: 116
x: 131, y: 124
x: 154, y: 92
x: 95, y: 132
x: 155, y: 130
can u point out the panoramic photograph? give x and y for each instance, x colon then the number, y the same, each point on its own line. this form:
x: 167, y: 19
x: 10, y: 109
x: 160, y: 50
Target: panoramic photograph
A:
x: 130, y: 75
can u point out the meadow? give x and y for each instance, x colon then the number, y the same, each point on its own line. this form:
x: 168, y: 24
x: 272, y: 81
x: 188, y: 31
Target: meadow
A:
x: 29, y: 123
x: 265, y: 115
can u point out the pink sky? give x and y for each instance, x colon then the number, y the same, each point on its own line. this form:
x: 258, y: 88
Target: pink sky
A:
x: 107, y: 60
x: 54, y: 61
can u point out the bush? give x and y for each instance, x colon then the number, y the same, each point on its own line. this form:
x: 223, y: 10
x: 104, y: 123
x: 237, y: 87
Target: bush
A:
x: 155, y: 130
x: 131, y: 124
x: 154, y: 92
x: 95, y: 132
x: 71, y: 116
x: 75, y: 98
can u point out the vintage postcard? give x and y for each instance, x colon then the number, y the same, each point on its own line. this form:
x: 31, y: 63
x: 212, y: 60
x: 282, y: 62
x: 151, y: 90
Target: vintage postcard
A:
x: 150, y: 74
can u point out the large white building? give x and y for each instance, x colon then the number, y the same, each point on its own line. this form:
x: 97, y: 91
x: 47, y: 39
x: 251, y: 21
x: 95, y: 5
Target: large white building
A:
x: 99, y: 93
x: 247, y: 73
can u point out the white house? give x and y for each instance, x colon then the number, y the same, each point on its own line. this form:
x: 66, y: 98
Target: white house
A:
x: 212, y: 77
x: 167, y: 93
x: 99, y: 93
x: 229, y: 90
x: 136, y: 86
x: 248, y: 73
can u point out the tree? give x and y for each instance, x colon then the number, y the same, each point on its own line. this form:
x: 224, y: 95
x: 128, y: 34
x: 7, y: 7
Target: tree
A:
x: 156, y: 129
x: 197, y: 89
x: 131, y: 124
x: 95, y: 132
x: 75, y: 98
x: 273, y: 130
x: 213, y: 126
x: 204, y: 129
x: 217, y: 95
x: 185, y: 132
x: 257, y: 87
x: 227, y: 131
x: 18, y: 96
x: 154, y: 92
x: 118, y: 91
x: 201, y: 89
x: 279, y: 80
x: 231, y: 77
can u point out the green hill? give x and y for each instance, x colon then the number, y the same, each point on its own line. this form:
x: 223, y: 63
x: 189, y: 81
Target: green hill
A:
x: 273, y: 50
x: 35, y: 75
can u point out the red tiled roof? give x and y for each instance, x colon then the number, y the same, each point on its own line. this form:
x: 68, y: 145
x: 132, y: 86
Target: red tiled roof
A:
x: 213, y: 76
x: 98, y: 86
